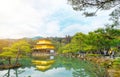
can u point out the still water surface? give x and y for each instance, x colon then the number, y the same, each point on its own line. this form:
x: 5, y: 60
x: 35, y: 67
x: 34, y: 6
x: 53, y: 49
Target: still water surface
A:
x: 61, y: 67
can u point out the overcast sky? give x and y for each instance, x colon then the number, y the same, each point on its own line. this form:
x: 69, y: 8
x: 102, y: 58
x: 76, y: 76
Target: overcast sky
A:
x: 29, y: 18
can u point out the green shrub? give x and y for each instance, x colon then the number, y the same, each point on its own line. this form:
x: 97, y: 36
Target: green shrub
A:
x: 93, y: 55
x: 116, y: 63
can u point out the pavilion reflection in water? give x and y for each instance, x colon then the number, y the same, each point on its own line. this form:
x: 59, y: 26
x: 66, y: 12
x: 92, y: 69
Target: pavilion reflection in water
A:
x: 43, y: 64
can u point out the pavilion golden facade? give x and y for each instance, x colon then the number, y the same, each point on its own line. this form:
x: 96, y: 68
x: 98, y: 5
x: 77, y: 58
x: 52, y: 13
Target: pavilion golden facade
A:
x: 43, y: 47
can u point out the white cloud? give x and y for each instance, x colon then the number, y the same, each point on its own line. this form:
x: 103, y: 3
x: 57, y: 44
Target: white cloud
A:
x: 19, y: 18
x: 92, y: 23
x: 72, y: 29
x: 28, y: 18
x: 52, y: 28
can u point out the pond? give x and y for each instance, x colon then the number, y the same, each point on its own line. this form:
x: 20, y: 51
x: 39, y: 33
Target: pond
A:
x: 54, y: 67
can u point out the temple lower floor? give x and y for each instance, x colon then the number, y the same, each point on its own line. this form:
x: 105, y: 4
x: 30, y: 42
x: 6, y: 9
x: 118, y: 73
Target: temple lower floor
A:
x: 42, y: 52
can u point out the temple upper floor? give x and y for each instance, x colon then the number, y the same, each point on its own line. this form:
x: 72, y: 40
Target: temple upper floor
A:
x: 44, y: 41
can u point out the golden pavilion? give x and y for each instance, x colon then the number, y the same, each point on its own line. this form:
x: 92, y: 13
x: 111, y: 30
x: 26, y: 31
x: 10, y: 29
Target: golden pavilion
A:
x: 43, y: 47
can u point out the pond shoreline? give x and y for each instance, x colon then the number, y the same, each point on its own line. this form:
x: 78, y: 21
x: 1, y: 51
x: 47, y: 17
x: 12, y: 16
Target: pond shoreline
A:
x: 104, y: 62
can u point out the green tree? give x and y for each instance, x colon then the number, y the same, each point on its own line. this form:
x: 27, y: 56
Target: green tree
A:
x: 79, y: 40
x: 115, y: 17
x: 20, y: 48
x: 94, y: 42
x: 16, y: 50
x: 76, y: 45
x: 84, y: 5
x: 109, y: 37
x: 7, y: 54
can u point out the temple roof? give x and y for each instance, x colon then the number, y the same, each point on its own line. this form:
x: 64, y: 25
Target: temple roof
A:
x: 44, y: 44
x: 44, y: 41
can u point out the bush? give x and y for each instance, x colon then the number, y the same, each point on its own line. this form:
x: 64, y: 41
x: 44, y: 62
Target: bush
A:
x: 93, y: 55
x: 116, y: 63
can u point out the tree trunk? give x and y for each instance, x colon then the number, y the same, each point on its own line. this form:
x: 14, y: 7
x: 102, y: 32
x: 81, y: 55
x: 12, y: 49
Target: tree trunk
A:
x: 9, y: 60
x: 17, y: 56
